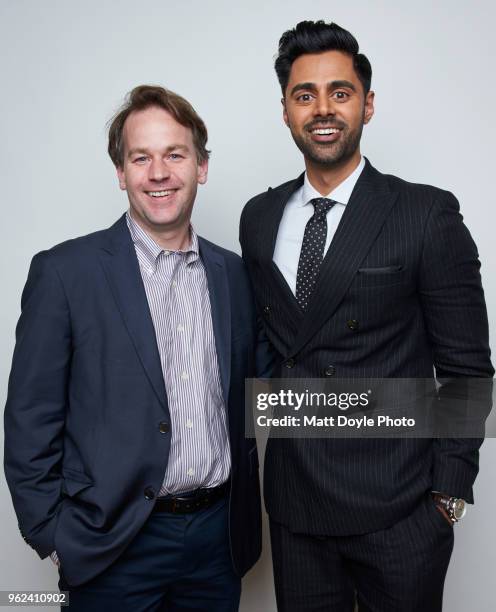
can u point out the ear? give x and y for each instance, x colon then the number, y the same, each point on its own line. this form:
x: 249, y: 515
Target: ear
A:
x: 202, y: 172
x: 284, y: 112
x: 122, y: 178
x: 369, y: 107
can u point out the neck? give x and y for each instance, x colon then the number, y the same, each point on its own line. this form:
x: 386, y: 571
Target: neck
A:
x: 174, y: 239
x: 326, y: 178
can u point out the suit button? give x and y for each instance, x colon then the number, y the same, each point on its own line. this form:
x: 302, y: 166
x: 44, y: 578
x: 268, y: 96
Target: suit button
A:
x: 353, y: 324
x: 330, y: 370
x: 149, y: 493
x: 266, y: 309
x: 290, y: 363
x: 163, y: 427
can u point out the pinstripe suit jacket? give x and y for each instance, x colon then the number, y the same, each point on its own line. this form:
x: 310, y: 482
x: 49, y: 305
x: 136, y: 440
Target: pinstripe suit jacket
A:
x: 404, y: 267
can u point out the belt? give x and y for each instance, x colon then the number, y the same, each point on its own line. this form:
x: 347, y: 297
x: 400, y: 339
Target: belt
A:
x: 192, y: 501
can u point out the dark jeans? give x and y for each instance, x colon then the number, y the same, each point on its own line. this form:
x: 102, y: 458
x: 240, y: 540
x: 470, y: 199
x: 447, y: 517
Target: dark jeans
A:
x: 399, y: 569
x: 176, y: 563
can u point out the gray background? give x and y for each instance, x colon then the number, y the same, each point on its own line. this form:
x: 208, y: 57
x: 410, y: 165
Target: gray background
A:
x: 65, y: 68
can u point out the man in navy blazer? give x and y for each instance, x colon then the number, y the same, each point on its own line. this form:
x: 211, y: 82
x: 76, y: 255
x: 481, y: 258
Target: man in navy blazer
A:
x: 125, y: 450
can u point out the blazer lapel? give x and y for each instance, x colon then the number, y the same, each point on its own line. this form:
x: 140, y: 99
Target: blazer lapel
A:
x: 220, y: 304
x: 360, y: 224
x: 121, y: 267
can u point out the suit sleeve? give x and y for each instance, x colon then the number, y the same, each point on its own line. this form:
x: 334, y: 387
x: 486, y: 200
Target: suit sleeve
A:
x: 36, y: 405
x: 455, y: 314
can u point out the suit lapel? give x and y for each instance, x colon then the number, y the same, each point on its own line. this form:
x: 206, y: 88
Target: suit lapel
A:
x: 121, y: 267
x: 360, y: 224
x: 269, y: 225
x: 268, y: 235
x: 220, y: 304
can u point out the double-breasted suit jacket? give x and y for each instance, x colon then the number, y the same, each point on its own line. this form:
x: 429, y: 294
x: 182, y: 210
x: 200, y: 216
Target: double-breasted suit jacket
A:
x: 398, y: 295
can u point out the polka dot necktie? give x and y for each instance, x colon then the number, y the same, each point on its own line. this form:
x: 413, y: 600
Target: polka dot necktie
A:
x: 312, y: 250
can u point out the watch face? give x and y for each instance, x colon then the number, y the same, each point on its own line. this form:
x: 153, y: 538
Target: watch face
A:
x: 459, y: 509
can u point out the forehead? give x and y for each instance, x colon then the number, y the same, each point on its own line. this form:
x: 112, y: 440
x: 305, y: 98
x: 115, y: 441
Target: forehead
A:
x: 322, y: 68
x: 155, y: 126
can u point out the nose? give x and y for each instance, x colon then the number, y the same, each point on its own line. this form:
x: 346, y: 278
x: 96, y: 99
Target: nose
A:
x: 158, y: 170
x: 323, y: 106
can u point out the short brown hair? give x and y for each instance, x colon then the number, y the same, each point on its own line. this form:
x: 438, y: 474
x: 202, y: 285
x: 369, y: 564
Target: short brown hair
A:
x: 146, y: 96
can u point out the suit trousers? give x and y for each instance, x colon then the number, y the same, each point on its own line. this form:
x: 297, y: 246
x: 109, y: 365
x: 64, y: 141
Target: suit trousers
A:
x: 176, y: 563
x: 399, y: 569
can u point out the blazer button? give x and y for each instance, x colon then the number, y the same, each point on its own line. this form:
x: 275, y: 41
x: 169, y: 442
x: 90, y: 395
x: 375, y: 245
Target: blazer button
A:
x: 163, y: 427
x: 330, y: 370
x: 290, y: 363
x: 353, y: 324
x: 149, y: 493
x: 266, y: 309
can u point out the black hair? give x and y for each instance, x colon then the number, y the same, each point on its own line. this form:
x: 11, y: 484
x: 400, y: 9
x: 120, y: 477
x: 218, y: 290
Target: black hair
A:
x: 316, y: 37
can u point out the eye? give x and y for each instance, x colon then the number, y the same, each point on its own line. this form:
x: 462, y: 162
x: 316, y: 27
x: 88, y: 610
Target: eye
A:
x: 305, y: 97
x: 175, y: 156
x: 340, y: 95
x: 140, y: 160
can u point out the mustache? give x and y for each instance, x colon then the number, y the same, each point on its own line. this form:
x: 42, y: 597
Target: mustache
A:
x: 326, y: 123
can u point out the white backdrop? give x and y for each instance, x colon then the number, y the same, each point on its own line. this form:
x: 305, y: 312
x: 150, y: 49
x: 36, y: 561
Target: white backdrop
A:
x: 65, y: 68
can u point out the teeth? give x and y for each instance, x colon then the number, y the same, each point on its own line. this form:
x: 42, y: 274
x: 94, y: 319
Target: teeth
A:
x: 325, y: 131
x: 159, y: 194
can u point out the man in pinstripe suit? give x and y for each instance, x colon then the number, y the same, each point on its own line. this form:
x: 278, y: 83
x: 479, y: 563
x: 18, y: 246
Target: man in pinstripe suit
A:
x: 359, y: 274
x: 125, y: 450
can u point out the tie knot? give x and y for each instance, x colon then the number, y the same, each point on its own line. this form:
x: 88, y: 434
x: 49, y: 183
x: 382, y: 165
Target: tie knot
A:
x: 322, y: 205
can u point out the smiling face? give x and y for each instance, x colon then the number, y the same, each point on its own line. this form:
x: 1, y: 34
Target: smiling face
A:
x: 325, y: 108
x: 160, y: 171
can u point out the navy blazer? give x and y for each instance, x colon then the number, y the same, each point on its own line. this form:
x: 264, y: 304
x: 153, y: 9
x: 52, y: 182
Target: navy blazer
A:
x: 86, y: 397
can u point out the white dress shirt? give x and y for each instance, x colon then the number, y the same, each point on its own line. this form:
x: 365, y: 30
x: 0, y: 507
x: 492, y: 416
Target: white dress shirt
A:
x: 296, y: 215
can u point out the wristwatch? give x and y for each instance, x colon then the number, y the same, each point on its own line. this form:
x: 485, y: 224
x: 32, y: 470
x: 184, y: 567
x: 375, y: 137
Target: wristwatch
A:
x: 455, y: 507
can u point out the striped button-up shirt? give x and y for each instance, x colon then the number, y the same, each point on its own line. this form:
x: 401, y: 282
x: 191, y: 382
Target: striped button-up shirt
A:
x: 176, y: 288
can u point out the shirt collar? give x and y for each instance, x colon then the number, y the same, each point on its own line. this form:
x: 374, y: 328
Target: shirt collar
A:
x: 341, y: 193
x: 148, y: 250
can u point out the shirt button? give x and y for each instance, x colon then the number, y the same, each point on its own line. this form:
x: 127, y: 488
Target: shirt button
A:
x: 189, y: 423
x: 266, y: 309
x: 330, y: 370
x: 163, y: 427
x: 290, y: 363
x: 149, y: 493
x: 185, y: 375
x: 191, y: 472
x: 174, y: 283
x: 180, y: 328
x: 353, y: 324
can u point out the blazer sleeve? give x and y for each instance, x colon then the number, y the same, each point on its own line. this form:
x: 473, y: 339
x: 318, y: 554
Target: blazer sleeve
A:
x: 36, y: 405
x: 455, y: 314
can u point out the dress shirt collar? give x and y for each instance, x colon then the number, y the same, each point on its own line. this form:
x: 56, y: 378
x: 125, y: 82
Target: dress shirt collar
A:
x: 341, y: 193
x: 150, y: 250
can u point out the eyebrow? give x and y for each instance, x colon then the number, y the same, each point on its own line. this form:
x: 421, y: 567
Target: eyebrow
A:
x: 330, y: 86
x: 173, y: 147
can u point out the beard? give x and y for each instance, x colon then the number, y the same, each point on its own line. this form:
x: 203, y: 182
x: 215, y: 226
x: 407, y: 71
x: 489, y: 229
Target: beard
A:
x: 328, y: 154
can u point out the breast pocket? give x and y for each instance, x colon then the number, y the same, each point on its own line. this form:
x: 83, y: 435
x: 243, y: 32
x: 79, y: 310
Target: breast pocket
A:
x: 381, y: 276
